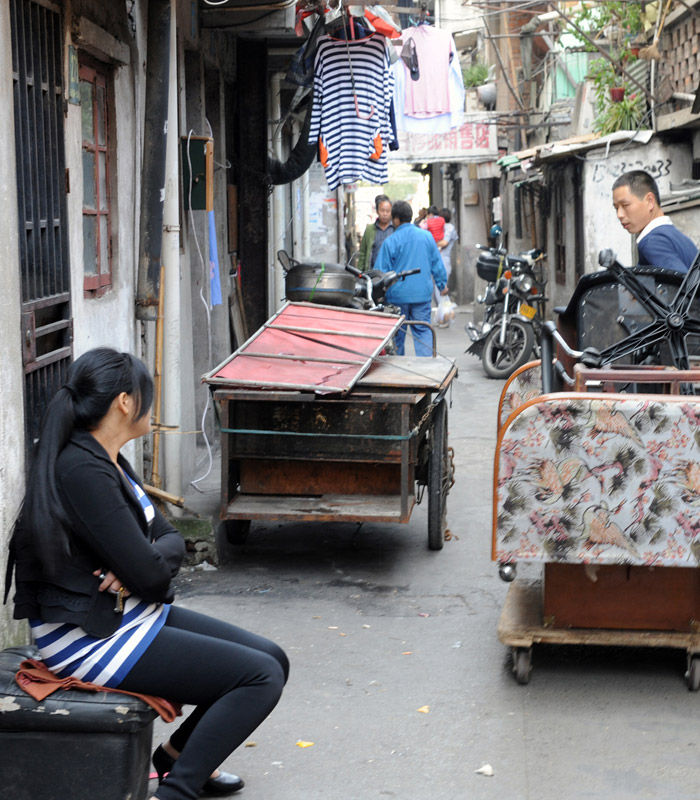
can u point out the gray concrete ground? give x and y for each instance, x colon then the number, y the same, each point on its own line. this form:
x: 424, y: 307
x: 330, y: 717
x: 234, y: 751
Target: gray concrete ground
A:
x: 398, y: 678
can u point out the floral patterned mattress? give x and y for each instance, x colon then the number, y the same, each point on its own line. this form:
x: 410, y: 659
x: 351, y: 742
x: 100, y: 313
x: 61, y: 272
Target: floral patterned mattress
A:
x: 599, y: 478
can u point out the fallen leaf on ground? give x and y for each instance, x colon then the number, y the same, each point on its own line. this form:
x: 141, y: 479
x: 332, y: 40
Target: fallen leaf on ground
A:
x: 487, y: 770
x: 251, y: 744
x: 407, y: 653
x: 424, y: 709
x: 302, y: 743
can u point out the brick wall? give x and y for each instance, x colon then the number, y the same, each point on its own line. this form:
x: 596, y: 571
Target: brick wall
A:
x: 680, y: 49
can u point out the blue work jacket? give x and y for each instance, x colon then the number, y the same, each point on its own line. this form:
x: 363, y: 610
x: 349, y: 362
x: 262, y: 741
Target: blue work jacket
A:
x: 407, y: 248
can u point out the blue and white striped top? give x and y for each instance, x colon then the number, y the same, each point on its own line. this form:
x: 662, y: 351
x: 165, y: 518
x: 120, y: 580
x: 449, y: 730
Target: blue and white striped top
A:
x: 68, y: 651
x: 353, y: 139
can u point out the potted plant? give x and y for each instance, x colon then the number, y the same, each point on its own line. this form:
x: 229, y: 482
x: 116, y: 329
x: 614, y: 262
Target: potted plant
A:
x: 625, y: 115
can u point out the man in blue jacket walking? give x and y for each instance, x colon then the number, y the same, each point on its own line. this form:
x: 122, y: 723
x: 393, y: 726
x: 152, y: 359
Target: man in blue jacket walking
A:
x: 659, y: 242
x: 410, y: 247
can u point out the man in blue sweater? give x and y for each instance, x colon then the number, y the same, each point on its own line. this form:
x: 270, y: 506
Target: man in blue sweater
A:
x: 638, y: 207
x: 407, y: 248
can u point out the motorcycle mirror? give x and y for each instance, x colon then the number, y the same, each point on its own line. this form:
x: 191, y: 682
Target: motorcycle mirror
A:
x: 606, y: 258
x: 284, y: 259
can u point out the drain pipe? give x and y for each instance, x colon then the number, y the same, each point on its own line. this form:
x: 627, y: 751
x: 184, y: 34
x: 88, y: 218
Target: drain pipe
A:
x: 172, y: 367
x: 153, y: 163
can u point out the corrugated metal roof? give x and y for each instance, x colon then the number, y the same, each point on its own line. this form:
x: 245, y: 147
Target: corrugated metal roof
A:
x: 311, y: 347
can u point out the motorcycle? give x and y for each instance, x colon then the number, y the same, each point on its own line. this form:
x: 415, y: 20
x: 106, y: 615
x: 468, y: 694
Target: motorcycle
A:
x: 514, y: 312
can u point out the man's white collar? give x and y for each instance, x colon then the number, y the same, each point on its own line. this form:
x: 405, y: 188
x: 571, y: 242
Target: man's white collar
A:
x: 655, y: 223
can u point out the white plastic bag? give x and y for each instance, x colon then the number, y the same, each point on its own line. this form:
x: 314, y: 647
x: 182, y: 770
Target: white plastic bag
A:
x: 445, y: 310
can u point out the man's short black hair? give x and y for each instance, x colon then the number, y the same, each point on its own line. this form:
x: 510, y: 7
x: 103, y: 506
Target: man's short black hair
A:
x: 433, y: 210
x: 445, y: 214
x: 381, y: 198
x: 402, y: 211
x: 640, y: 183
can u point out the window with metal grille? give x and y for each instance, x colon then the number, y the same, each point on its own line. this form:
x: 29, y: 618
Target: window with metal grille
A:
x: 97, y: 249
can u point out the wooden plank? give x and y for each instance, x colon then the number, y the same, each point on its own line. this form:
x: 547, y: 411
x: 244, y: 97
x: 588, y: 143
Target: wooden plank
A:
x: 620, y: 596
x: 521, y: 625
x: 349, y: 429
x: 410, y: 372
x: 323, y: 508
x: 265, y: 476
x: 237, y: 322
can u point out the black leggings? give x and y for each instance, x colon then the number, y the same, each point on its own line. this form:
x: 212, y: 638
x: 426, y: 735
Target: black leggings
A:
x: 233, y: 677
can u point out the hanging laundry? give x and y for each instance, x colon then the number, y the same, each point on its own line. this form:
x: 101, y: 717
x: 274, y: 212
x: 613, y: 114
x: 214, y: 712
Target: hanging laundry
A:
x: 442, y: 123
x: 429, y: 95
x: 353, y: 88
x: 409, y: 56
x: 382, y: 22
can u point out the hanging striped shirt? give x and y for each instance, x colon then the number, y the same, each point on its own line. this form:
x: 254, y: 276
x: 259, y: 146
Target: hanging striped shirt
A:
x: 67, y: 650
x: 353, y: 139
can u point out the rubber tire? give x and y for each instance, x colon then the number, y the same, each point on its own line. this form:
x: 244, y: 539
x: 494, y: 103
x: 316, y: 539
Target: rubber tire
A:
x: 437, y: 469
x: 230, y: 534
x: 522, y: 664
x: 520, y: 338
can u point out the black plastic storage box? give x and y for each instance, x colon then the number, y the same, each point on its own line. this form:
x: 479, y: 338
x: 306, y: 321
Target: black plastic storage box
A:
x: 487, y: 267
x: 74, y: 744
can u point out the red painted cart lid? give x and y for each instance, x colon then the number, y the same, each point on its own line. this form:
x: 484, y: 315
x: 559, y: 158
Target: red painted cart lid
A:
x: 306, y: 346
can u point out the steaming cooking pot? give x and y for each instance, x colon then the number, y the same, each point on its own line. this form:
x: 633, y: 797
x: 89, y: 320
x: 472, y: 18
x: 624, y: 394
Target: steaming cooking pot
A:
x: 318, y: 282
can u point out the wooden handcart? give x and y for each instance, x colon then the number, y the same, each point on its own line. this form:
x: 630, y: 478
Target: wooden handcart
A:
x: 366, y: 452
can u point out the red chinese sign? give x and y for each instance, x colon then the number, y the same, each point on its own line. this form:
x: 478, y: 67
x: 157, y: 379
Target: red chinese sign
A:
x: 473, y: 141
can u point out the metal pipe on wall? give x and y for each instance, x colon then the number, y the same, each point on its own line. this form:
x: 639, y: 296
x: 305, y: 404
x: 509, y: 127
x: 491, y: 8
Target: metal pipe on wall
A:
x: 172, y: 367
x: 275, y: 284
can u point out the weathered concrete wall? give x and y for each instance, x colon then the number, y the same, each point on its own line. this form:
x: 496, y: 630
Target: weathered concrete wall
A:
x: 11, y: 375
x: 106, y: 320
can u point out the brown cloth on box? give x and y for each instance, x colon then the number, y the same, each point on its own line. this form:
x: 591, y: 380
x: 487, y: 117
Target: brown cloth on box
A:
x: 37, y: 680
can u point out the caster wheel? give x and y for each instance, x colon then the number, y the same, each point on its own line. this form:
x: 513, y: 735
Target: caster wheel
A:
x: 692, y: 676
x: 522, y: 664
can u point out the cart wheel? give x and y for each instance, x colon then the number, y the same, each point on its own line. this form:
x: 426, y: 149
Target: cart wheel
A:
x: 522, y: 664
x: 437, y: 478
x: 692, y: 676
x: 229, y: 534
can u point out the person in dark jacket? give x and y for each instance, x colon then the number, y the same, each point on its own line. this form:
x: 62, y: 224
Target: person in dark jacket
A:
x: 93, y: 563
x: 375, y: 234
x: 659, y: 243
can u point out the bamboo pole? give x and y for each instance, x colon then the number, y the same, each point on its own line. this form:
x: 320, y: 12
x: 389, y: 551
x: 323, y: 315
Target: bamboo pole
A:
x: 158, y: 381
x: 159, y: 494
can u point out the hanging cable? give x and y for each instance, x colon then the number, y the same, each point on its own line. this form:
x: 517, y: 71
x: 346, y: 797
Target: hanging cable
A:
x: 207, y: 312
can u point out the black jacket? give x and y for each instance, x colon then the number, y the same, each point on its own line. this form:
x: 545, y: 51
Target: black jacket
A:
x: 108, y: 531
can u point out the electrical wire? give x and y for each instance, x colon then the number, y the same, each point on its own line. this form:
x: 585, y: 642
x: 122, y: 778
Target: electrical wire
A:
x: 206, y: 309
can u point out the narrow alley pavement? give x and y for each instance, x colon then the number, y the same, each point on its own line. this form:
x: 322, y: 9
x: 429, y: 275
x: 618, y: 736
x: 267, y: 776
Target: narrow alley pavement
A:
x: 399, y: 682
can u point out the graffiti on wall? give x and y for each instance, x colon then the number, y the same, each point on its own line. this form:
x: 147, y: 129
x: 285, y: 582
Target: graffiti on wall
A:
x: 603, y: 170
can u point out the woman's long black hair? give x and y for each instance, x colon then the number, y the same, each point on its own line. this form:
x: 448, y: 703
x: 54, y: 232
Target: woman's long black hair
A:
x: 93, y: 381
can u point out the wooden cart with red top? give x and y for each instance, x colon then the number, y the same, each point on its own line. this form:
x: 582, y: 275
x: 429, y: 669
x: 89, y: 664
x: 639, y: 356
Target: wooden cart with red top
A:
x: 318, y: 425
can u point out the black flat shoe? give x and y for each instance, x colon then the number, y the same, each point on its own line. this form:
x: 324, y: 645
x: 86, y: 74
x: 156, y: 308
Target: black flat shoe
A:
x: 224, y: 783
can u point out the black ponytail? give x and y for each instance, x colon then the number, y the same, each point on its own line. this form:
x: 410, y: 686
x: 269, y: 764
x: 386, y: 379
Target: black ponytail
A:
x: 94, y: 380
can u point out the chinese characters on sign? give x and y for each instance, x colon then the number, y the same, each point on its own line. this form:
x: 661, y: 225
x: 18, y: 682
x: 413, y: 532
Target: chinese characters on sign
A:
x: 473, y: 141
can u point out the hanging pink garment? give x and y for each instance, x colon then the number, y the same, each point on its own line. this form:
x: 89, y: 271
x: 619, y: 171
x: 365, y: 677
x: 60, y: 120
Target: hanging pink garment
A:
x: 429, y: 95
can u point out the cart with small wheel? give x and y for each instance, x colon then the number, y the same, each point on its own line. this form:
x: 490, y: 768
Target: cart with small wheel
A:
x: 317, y: 425
x: 597, y: 473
